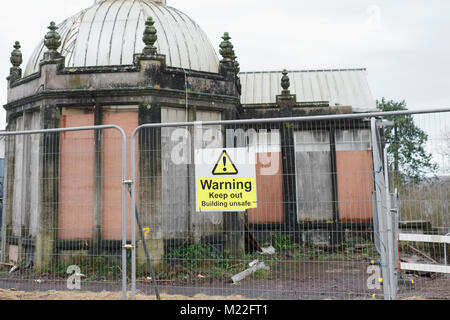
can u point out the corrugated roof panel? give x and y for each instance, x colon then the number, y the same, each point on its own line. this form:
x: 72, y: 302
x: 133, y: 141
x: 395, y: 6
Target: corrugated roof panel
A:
x: 257, y: 88
x: 348, y: 87
x: 315, y: 86
x: 266, y: 87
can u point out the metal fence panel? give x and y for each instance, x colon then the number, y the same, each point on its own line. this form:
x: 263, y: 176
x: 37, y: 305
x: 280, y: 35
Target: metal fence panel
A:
x: 309, y: 237
x: 64, y: 217
x: 336, y: 213
x: 423, y: 188
x: 325, y: 225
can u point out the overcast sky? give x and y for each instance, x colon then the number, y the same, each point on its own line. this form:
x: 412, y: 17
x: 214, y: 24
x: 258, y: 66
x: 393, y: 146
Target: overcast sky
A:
x: 404, y: 44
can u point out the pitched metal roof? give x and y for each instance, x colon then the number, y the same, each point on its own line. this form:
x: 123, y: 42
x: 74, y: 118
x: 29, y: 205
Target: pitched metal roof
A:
x: 110, y: 33
x: 346, y: 87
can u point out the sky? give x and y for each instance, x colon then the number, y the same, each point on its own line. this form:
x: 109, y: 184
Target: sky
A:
x: 404, y: 44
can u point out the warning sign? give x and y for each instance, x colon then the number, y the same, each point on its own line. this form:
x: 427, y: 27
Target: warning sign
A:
x: 227, y: 184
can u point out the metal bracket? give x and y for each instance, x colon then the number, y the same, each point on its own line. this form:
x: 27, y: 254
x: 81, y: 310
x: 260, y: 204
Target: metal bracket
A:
x: 128, y: 247
x: 128, y: 182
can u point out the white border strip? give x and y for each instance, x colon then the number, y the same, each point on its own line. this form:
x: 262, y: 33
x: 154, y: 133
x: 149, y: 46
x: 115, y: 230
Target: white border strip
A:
x: 425, y: 267
x: 424, y: 238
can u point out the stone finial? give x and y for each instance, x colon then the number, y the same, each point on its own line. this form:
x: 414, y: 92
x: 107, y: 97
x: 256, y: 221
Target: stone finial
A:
x: 286, y: 100
x: 285, y: 81
x: 16, y: 55
x: 16, y: 60
x: 150, y: 37
x: 52, y: 39
x: 226, y: 48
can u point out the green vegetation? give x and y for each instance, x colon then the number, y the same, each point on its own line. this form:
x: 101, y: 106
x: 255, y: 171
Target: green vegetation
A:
x: 406, y: 146
x: 282, y: 242
x: 200, y: 261
x: 101, y: 268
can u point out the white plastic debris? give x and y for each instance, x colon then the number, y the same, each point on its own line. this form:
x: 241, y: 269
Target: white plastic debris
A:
x: 253, y: 263
x: 255, y: 267
x: 268, y: 250
x: 15, y: 268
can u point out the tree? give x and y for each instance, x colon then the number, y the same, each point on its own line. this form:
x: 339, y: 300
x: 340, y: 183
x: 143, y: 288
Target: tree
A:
x: 406, y: 145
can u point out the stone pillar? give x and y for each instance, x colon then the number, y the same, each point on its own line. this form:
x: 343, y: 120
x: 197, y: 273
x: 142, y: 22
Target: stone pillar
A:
x: 10, y: 151
x: 286, y: 102
x: 233, y: 222
x: 8, y: 192
x: 149, y: 187
x: 148, y: 174
x: 289, y: 180
x: 47, y: 233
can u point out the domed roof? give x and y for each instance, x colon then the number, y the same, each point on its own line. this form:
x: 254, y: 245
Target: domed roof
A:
x: 110, y: 33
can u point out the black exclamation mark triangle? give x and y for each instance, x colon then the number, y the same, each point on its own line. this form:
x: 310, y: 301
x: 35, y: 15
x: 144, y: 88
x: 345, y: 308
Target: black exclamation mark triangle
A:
x: 225, y: 166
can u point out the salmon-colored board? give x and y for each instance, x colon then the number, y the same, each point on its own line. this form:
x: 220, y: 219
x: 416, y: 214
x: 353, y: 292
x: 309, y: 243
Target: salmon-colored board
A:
x: 270, y: 192
x: 76, y: 182
x: 355, y: 185
x: 112, y: 173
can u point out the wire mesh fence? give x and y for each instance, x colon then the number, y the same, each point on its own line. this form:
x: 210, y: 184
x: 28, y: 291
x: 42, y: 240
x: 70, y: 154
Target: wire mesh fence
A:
x: 312, y: 234
x: 335, y: 207
x: 62, y: 217
x: 423, y: 183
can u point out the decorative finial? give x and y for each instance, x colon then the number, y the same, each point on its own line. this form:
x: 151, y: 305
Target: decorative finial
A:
x: 150, y: 37
x: 16, y: 60
x: 16, y: 55
x: 52, y: 38
x: 285, y: 81
x: 226, y: 48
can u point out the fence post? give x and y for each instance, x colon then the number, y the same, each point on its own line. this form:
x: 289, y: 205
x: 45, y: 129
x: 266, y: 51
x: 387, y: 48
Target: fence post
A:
x: 380, y: 190
x: 390, y: 233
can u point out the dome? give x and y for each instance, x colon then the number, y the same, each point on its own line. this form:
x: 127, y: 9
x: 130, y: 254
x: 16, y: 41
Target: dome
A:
x: 110, y: 33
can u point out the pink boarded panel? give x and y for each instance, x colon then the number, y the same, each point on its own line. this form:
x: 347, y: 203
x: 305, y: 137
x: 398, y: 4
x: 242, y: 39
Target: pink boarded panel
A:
x: 76, y: 179
x: 270, y: 191
x: 112, y: 173
x: 355, y: 185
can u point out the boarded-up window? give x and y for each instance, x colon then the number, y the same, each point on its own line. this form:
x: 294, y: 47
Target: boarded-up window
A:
x: 76, y: 183
x: 127, y: 119
x: 269, y: 178
x: 175, y: 155
x: 178, y: 185
x: 26, y: 176
x: 314, y: 176
x: 354, y: 175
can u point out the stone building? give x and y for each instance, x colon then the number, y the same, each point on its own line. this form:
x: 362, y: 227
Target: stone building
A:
x: 132, y: 62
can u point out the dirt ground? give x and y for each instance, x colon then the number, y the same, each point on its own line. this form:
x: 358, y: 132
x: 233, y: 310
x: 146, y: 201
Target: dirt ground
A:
x: 286, y: 281
x: 77, y: 296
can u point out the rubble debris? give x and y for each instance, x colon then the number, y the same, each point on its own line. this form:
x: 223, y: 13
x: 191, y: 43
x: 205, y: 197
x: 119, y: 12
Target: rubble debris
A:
x: 254, y: 266
x: 269, y: 250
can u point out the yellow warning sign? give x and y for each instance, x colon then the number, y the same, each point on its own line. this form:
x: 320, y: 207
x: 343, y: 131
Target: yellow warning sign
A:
x: 225, y: 166
x: 226, y: 193
x: 225, y: 180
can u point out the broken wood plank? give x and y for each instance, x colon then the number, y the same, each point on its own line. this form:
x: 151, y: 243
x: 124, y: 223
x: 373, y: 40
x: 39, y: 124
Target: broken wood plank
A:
x: 422, y: 254
x: 6, y: 264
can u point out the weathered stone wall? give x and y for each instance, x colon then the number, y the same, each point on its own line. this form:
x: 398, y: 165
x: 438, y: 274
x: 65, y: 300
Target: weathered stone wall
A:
x: 148, y: 85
